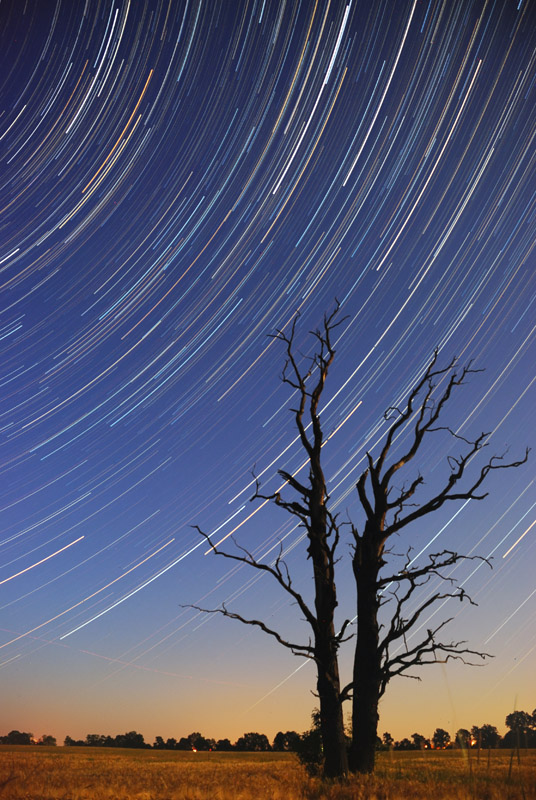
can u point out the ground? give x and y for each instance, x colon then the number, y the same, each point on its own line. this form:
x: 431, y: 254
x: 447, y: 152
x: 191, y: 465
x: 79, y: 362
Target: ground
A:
x: 85, y: 773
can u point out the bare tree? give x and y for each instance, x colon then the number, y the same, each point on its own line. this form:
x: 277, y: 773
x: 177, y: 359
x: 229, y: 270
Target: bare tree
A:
x: 383, y: 650
x: 383, y: 646
x: 322, y: 531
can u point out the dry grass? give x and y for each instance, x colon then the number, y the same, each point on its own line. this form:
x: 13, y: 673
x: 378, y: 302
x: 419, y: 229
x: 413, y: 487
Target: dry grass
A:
x: 31, y: 773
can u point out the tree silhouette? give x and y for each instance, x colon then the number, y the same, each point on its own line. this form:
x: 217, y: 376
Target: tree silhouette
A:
x: 130, y: 739
x: 463, y: 738
x: 441, y: 738
x: 387, y: 741
x: 286, y: 741
x: 420, y: 741
x: 322, y: 531
x: 95, y: 740
x: 47, y: 740
x: 255, y: 742
x: 17, y: 737
x: 404, y: 744
x: 195, y: 741
x: 70, y: 742
x: 486, y: 735
x: 522, y: 731
x: 224, y: 745
x: 519, y: 721
x: 388, y: 510
x: 389, y: 504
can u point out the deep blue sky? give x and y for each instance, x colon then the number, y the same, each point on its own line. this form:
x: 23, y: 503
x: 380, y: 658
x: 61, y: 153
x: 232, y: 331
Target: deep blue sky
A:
x: 177, y: 180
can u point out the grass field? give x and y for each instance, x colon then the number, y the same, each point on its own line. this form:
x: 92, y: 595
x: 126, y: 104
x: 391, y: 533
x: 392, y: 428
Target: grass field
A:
x: 63, y: 773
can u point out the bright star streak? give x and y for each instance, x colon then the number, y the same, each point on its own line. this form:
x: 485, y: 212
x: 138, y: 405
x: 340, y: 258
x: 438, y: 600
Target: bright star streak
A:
x: 37, y: 563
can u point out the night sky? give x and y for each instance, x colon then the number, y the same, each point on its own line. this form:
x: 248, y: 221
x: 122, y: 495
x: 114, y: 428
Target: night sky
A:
x: 178, y: 179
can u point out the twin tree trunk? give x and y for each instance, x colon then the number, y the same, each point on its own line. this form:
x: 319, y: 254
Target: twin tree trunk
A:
x: 331, y: 717
x: 387, y: 510
x: 326, y: 643
x: 366, y: 679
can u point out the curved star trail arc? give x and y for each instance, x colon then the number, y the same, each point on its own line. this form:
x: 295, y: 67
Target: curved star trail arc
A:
x: 178, y: 180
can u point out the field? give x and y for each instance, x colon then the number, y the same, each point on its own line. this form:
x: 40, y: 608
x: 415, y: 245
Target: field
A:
x: 63, y: 773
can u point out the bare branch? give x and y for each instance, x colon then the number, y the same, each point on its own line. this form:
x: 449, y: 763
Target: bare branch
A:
x: 436, y: 563
x: 306, y: 650
x: 426, y: 417
x: 456, y: 475
x: 407, y: 412
x: 340, y: 637
x: 295, y: 484
x: 282, y: 578
x: 363, y: 497
x: 429, y: 651
x: 405, y: 494
x: 346, y: 693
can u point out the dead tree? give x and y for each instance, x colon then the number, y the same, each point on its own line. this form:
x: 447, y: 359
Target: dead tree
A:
x: 385, y: 647
x: 394, y: 646
x: 310, y: 507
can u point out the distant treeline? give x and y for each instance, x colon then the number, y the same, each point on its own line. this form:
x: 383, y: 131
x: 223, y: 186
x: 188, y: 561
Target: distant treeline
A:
x: 521, y: 733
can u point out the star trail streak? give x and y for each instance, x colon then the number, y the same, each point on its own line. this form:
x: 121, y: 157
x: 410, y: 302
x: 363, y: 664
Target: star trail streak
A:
x: 179, y: 178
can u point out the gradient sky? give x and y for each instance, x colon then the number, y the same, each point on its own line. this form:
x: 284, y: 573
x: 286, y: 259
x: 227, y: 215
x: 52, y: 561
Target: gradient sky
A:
x: 177, y: 180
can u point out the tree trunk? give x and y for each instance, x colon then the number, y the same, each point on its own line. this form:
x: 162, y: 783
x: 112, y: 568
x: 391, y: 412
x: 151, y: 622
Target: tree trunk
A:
x: 367, y: 661
x: 326, y: 644
x: 331, y: 716
x: 364, y: 721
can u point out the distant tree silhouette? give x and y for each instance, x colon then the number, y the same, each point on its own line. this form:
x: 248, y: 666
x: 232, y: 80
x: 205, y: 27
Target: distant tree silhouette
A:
x: 184, y: 743
x: 256, y: 742
x: 404, y: 744
x: 95, y: 740
x: 17, y: 737
x: 387, y: 741
x: 519, y: 721
x: 286, y: 741
x: 420, y: 741
x: 200, y: 742
x: 279, y: 742
x: 441, y: 738
x: 486, y: 736
x: 47, y: 740
x: 70, y: 742
x: 463, y: 738
x: 195, y: 741
x: 159, y: 743
x: 522, y: 731
x: 131, y: 739
x: 224, y: 745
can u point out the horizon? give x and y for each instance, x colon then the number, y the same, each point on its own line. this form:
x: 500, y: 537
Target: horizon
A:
x: 178, y: 182
x: 81, y: 741
x: 151, y: 741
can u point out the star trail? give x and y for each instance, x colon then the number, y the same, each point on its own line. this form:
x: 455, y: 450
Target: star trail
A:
x: 178, y: 179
